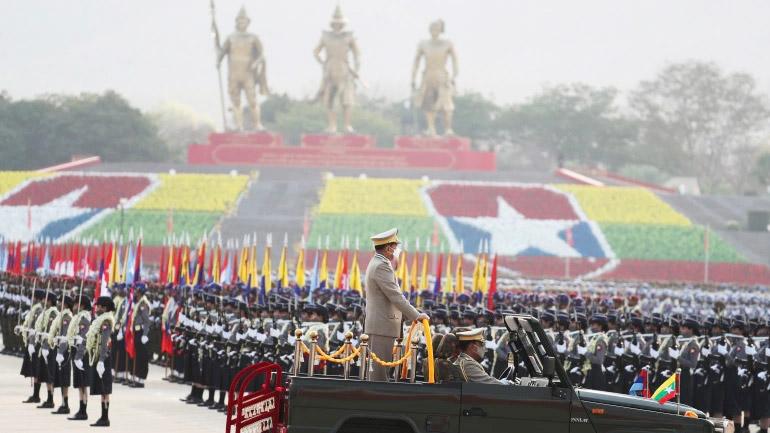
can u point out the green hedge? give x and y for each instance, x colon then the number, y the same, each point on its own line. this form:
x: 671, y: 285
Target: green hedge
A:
x: 153, y: 225
x: 666, y: 242
x: 364, y: 226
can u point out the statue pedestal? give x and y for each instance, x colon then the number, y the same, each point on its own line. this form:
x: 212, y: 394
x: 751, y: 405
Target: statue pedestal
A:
x: 345, y: 141
x: 256, y: 138
x: 424, y: 142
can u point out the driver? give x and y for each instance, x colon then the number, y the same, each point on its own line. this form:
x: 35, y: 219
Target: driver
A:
x: 472, y: 349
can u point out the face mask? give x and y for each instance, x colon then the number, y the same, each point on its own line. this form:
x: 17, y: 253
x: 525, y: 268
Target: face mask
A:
x: 397, y: 252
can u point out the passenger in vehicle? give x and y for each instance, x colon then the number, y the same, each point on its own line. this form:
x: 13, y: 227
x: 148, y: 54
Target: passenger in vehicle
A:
x: 472, y: 349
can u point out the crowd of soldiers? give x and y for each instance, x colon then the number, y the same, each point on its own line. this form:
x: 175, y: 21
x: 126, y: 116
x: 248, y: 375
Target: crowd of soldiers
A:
x: 605, y: 334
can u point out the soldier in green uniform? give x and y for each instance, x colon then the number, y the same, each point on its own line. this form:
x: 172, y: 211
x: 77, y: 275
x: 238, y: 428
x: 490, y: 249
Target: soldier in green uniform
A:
x: 472, y: 350
x: 98, y: 346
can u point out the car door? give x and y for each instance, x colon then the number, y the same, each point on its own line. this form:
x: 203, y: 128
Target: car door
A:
x: 489, y: 408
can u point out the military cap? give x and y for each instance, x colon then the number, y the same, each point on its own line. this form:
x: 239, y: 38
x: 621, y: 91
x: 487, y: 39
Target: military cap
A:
x: 562, y: 318
x: 386, y: 237
x: 85, y: 301
x: 472, y: 335
x: 39, y: 294
x: 600, y: 319
x: 691, y: 323
x: 68, y: 301
x: 106, y: 301
x: 548, y: 316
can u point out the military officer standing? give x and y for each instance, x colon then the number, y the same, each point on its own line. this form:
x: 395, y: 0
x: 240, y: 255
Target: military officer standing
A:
x: 386, y: 306
x: 76, y: 336
x: 98, y: 346
x: 141, y: 323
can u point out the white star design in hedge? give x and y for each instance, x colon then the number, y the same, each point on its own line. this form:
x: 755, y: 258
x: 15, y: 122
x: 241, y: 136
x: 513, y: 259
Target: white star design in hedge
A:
x: 511, y: 233
x: 15, y: 217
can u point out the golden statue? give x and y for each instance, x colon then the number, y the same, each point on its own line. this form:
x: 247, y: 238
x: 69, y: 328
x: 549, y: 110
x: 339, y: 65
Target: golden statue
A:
x: 339, y: 78
x: 437, y: 87
x: 245, y: 69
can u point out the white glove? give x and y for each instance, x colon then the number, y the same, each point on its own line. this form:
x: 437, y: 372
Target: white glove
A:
x: 618, y: 351
x: 45, y: 353
x: 722, y: 349
x: 751, y: 350
x: 715, y: 368
x: 630, y: 368
x: 79, y: 364
x: 635, y: 349
x: 673, y: 353
x: 561, y: 348
x: 767, y: 352
x: 59, y: 358
x: 574, y: 370
x: 705, y: 351
x: 100, y: 368
x: 31, y: 349
x: 654, y: 353
x: 581, y: 350
x: 78, y: 339
x: 741, y: 371
x: 120, y: 335
x: 762, y: 375
x: 31, y: 333
x: 17, y: 329
x: 145, y: 339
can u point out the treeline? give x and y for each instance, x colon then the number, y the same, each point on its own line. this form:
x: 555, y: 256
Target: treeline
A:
x: 692, y: 119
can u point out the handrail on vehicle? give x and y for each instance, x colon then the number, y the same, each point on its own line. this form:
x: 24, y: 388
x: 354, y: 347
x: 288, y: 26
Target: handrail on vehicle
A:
x: 363, y: 352
x: 238, y: 400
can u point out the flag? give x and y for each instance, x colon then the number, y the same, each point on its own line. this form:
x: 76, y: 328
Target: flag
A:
x: 128, y: 333
x: 640, y: 384
x: 283, y: 267
x: 138, y: 262
x: 449, y: 287
x: 403, y: 272
x: 355, y: 274
x: 267, y: 282
x: 412, y: 280
x: 299, y: 270
x: 424, y: 273
x: 323, y: 275
x: 459, y: 280
x: 339, y: 270
x: 667, y: 390
x: 437, y: 283
x: 492, y: 286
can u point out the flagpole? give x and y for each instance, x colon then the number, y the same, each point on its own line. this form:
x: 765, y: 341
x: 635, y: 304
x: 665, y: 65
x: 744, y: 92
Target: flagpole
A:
x: 678, y: 393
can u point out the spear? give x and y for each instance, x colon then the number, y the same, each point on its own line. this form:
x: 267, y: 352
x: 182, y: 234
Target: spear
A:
x: 217, y: 51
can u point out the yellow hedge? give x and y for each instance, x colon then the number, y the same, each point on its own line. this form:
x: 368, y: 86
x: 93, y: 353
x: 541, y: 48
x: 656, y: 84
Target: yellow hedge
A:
x: 11, y: 179
x: 198, y: 192
x: 347, y: 195
x: 627, y: 205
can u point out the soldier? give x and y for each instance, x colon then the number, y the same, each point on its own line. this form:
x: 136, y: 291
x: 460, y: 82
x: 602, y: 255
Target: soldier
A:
x: 385, y: 305
x: 118, y: 349
x: 688, y: 358
x: 46, y: 356
x: 141, y: 323
x: 61, y: 369
x: 596, y: 353
x: 472, y: 348
x: 98, y: 347
x: 76, y: 336
x: 29, y: 364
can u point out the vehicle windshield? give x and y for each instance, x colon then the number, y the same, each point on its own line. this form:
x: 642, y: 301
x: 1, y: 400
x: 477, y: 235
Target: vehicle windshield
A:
x: 528, y: 345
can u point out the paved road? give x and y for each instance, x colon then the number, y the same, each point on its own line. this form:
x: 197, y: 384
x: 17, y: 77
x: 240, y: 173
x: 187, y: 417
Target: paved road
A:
x: 155, y: 408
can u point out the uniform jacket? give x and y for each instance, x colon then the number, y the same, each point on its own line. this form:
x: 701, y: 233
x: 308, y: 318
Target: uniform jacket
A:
x: 385, y: 303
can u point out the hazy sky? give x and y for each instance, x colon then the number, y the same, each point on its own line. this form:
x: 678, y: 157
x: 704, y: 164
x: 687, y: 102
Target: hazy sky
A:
x: 154, y: 51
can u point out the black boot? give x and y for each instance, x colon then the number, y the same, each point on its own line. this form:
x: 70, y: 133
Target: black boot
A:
x: 81, y: 414
x: 35, y: 397
x: 64, y: 409
x: 104, y: 421
x: 190, y: 396
x: 48, y: 404
x: 197, y: 396
x: 220, y: 403
x: 209, y: 401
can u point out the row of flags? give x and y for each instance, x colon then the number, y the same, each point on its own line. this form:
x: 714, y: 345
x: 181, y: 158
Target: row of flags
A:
x: 182, y: 263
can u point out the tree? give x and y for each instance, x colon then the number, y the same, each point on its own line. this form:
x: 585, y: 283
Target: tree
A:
x: 573, y: 122
x: 50, y: 130
x: 762, y: 169
x: 178, y: 126
x: 696, y: 120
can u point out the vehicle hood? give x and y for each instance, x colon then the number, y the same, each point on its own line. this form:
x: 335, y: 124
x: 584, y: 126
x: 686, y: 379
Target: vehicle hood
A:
x: 630, y: 401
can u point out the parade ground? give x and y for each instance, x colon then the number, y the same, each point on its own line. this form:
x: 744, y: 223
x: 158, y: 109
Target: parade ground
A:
x: 155, y: 408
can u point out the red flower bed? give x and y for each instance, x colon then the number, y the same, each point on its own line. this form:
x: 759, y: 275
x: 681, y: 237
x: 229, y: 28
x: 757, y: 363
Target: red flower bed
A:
x: 101, y: 191
x: 481, y: 201
x: 658, y: 270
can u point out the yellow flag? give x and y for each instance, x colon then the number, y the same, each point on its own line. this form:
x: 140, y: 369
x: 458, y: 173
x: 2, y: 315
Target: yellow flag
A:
x: 300, y: 269
x: 483, y: 273
x: 323, y: 274
x: 170, y: 265
x: 448, y: 288
x: 424, y: 274
x: 283, y: 268
x: 403, y: 272
x: 266, y: 272
x: 475, y: 277
x: 413, y: 274
x: 460, y: 282
x: 355, y: 274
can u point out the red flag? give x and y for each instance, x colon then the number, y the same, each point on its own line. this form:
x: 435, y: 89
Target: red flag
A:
x: 163, y: 266
x: 129, y: 334
x: 492, y: 286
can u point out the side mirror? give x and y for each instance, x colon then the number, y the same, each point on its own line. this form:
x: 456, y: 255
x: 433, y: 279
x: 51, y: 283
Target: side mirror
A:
x: 549, y: 367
